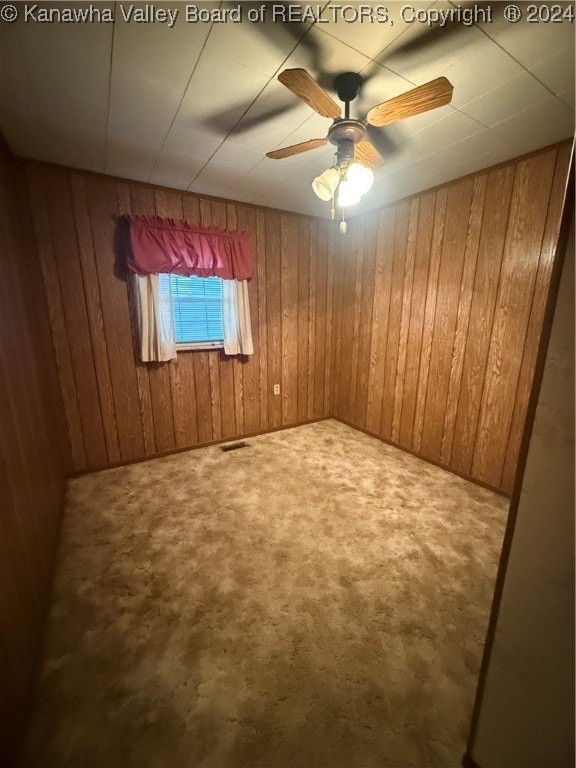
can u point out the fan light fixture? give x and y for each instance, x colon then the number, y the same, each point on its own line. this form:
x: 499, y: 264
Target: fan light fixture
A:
x: 349, y: 134
x: 325, y: 185
x: 352, y: 180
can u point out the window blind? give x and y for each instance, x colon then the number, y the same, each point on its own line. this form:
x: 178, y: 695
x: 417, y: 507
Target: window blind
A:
x: 197, y: 308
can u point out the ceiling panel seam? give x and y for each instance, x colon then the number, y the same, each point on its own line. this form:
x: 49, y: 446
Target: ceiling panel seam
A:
x: 185, y: 91
x: 105, y: 164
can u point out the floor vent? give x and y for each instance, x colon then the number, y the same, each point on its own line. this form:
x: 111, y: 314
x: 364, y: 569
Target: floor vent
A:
x: 234, y: 446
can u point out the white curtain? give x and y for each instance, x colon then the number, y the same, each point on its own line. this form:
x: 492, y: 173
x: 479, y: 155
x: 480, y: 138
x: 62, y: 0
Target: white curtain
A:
x: 155, y: 324
x: 236, y: 318
x: 153, y: 300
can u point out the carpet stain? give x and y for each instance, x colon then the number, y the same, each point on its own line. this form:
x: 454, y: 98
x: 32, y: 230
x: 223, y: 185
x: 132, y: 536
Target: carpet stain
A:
x: 318, y: 599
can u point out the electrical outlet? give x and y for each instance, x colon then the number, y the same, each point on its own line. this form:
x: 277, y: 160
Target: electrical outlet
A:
x: 276, y: 389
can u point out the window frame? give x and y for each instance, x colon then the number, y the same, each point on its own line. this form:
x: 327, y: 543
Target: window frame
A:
x: 190, y: 346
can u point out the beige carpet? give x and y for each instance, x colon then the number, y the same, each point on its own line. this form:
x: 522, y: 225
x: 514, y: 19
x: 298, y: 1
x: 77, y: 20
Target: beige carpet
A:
x: 315, y: 599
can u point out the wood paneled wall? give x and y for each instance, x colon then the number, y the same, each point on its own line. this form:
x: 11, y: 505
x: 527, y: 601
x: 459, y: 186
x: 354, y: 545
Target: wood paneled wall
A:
x: 438, y: 306
x: 118, y: 409
x: 419, y: 326
x: 34, y: 457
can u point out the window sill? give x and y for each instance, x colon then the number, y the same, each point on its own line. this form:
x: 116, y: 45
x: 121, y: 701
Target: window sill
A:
x: 199, y: 345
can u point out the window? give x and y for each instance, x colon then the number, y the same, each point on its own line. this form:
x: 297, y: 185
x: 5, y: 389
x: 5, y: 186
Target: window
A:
x: 196, y: 311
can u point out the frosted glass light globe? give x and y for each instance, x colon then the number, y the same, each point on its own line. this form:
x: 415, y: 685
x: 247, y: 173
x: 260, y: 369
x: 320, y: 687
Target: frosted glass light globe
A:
x: 347, y: 195
x: 360, y: 178
x: 325, y: 185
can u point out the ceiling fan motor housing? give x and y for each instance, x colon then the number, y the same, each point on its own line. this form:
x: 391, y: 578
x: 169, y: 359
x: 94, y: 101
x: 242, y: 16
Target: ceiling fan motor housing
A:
x: 344, y: 134
x: 347, y: 85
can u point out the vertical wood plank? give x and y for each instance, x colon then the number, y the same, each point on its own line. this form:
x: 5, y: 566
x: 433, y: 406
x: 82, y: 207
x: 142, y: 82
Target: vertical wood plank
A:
x: 321, y: 279
x: 357, y: 252
x: 405, y: 317
x: 191, y: 208
x: 429, y: 317
x: 41, y: 372
x: 528, y: 209
x: 94, y: 309
x: 396, y: 293
x: 337, y: 320
x: 330, y: 325
x: 365, y: 320
x: 215, y: 395
x: 449, y: 283
x: 203, y: 399
x: 463, y: 316
x: 65, y: 248
x: 492, y: 237
x: 385, y: 233
x: 303, y: 313
x: 260, y: 250
x: 347, y: 311
x: 312, y: 294
x: 273, y: 305
x: 290, y: 337
x: 418, y: 304
x: 21, y: 520
x: 25, y: 438
x: 41, y: 222
x: 103, y: 209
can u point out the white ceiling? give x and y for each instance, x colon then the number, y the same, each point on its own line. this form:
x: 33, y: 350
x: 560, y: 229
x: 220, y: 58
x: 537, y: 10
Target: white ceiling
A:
x: 193, y: 106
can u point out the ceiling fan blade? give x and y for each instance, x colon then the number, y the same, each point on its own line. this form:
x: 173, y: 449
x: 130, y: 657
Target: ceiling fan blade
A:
x: 228, y: 121
x: 295, y: 149
x: 306, y: 88
x: 383, y: 139
x: 366, y: 153
x: 421, y: 46
x: 434, y: 94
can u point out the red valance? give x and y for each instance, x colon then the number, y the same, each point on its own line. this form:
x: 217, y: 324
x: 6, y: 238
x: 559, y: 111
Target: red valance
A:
x: 173, y: 246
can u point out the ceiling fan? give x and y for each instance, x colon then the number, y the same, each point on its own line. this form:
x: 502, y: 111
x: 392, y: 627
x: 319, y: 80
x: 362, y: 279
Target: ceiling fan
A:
x: 350, y: 134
